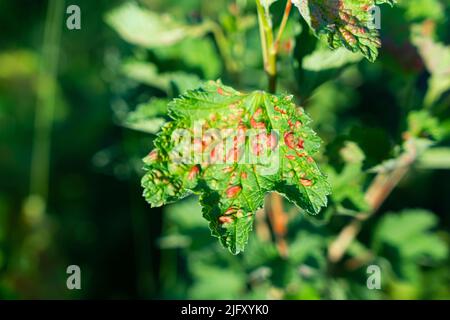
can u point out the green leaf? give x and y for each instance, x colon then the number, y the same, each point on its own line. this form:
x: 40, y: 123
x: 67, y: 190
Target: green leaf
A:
x: 322, y: 65
x: 346, y: 23
x: 147, y: 73
x: 322, y: 59
x: 421, y: 124
x: 148, y: 117
x: 185, y: 56
x: 149, y: 29
x: 437, y: 60
x: 308, y: 246
x: 17, y: 64
x: 435, y: 158
x: 348, y: 184
x: 232, y: 148
x: 407, y: 240
x: 181, y: 82
x: 423, y: 9
x: 409, y: 232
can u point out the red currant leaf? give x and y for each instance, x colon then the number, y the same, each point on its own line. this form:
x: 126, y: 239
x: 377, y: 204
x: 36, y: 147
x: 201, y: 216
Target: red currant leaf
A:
x: 232, y: 148
x: 347, y: 23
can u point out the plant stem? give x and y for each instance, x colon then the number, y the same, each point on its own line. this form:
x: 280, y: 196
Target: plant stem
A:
x: 287, y: 11
x: 45, y: 106
x: 267, y: 44
x: 376, y: 194
x: 223, y: 46
x: 262, y: 33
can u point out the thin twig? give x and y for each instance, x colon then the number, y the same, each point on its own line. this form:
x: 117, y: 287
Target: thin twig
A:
x: 377, y: 193
x: 262, y: 34
x: 279, y: 221
x: 261, y: 226
x: 287, y: 10
x: 269, y: 55
x: 275, y: 212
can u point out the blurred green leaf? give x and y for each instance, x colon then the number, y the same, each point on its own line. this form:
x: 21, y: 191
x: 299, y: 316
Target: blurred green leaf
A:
x: 195, y: 54
x: 148, y: 117
x: 348, y: 184
x: 260, y: 253
x: 323, y: 59
x: 307, y: 292
x: 149, y: 29
x: 18, y: 63
x: 186, y: 214
x: 146, y: 73
x: 173, y: 83
x: 173, y: 241
x: 308, y: 248
x: 409, y: 231
x: 435, y: 158
x: 181, y: 82
x: 421, y: 124
x: 437, y: 60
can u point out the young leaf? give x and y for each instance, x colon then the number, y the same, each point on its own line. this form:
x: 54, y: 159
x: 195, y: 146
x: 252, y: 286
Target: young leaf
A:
x: 345, y: 23
x: 231, y: 148
x: 321, y: 66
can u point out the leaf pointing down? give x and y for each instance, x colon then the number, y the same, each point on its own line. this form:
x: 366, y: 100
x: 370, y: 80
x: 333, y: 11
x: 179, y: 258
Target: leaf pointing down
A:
x: 347, y: 23
x: 232, y: 148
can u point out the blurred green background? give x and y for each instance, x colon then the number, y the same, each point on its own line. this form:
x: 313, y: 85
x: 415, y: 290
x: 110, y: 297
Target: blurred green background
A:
x: 79, y: 109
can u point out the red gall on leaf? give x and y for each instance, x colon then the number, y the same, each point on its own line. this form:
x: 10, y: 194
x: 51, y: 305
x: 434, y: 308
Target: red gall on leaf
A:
x: 257, y: 125
x: 224, y: 219
x: 289, y: 140
x: 230, y: 211
x: 233, y: 191
x: 193, y: 172
x: 290, y: 157
x: 306, y: 182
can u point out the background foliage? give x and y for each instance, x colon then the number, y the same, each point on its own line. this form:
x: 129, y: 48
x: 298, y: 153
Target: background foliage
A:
x: 109, y: 92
